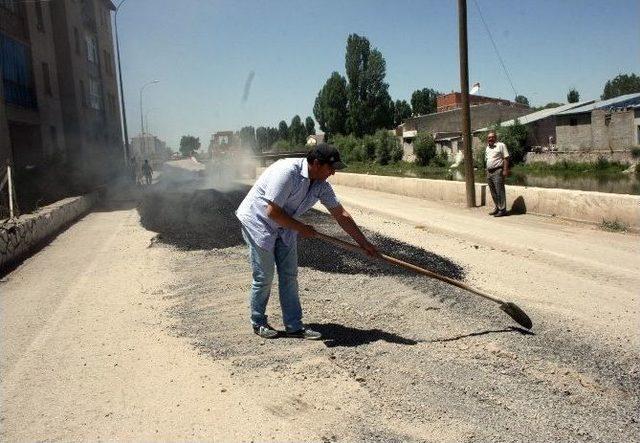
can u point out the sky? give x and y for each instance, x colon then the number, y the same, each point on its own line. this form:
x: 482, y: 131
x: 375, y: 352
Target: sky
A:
x: 203, y: 51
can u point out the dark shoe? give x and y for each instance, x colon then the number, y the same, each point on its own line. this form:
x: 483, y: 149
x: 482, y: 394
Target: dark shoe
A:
x: 502, y: 213
x: 305, y: 333
x: 265, y: 331
x: 494, y: 212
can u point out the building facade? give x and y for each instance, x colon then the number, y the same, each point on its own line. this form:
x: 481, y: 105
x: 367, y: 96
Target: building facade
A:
x: 31, y: 124
x: 453, y: 100
x: 151, y: 148
x: 608, y: 125
x: 59, y: 96
x: 84, y: 50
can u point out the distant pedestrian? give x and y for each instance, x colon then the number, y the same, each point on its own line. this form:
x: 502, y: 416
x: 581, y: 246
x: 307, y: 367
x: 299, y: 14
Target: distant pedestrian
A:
x: 147, y: 172
x: 285, y: 191
x: 497, y: 160
x: 133, y: 170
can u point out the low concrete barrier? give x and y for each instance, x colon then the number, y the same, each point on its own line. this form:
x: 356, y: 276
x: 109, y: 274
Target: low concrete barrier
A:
x: 590, y: 207
x: 21, y: 236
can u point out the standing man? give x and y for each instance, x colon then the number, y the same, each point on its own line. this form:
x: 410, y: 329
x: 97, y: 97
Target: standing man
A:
x: 268, y: 214
x: 497, y: 159
x: 147, y: 172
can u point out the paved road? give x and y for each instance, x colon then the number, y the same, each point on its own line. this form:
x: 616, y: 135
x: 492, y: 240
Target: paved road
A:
x: 111, y: 332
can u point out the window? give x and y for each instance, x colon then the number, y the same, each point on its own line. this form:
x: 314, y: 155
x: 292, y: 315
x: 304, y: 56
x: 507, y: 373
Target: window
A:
x: 10, y: 5
x: 17, y: 73
x: 92, y: 49
x: 47, y: 78
x: 95, y: 94
x: 573, y: 122
x: 83, y: 94
x: 39, y: 17
x: 76, y: 35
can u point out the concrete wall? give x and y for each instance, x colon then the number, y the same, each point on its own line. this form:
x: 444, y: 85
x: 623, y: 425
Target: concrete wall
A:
x: 599, y: 130
x: 451, y: 121
x: 22, y: 236
x: 591, y: 207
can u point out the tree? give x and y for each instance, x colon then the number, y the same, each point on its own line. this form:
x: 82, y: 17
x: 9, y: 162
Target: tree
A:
x: 522, y: 100
x: 423, y: 101
x: 330, y: 108
x: 272, y: 136
x: 369, y: 103
x: 622, y: 84
x: 356, y: 62
x: 309, y: 126
x: 283, y: 130
x: 262, y: 138
x: 402, y: 111
x: 573, y: 96
x: 424, y: 148
x: 297, y: 133
x: 188, y: 144
x: 248, y: 137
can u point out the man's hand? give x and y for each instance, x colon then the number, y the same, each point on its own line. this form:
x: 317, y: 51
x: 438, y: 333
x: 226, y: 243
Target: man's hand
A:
x: 506, y: 173
x: 307, y: 231
x: 370, y: 249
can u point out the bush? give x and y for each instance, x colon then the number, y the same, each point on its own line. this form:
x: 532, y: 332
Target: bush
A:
x: 369, y: 145
x: 349, y: 147
x: 282, y: 146
x: 441, y: 159
x: 388, y: 149
x: 424, y: 148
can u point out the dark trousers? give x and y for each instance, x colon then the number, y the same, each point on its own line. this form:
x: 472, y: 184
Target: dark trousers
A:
x: 495, y: 180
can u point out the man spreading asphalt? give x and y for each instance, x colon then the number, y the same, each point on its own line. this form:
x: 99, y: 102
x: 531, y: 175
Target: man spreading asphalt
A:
x: 497, y: 160
x: 286, y: 190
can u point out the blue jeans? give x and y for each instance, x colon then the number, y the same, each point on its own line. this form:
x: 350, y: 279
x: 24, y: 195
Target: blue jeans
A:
x: 285, y: 259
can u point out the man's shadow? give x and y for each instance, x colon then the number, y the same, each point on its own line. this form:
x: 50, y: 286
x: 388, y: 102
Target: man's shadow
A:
x: 335, y: 335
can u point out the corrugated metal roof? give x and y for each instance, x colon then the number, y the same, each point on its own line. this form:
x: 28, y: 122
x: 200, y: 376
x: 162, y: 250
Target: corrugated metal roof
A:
x: 539, y: 115
x: 623, y: 101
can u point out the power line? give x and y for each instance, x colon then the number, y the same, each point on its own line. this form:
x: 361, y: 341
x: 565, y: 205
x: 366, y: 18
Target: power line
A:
x: 495, y: 47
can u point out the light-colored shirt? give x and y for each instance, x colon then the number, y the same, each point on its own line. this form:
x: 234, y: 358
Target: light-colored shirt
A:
x: 494, y: 156
x: 285, y: 183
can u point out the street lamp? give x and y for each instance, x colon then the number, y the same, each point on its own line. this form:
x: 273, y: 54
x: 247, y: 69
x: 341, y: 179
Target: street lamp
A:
x: 142, y: 113
x: 127, y: 150
x: 153, y: 82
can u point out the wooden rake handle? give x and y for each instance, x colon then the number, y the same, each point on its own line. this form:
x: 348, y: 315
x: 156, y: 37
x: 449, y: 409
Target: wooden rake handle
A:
x: 355, y: 248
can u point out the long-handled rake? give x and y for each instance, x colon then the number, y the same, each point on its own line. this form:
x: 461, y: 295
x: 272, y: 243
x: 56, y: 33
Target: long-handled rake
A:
x: 510, y: 308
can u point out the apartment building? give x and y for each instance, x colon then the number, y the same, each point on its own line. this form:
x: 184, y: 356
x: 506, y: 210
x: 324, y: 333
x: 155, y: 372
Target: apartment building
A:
x: 84, y: 52
x: 31, y: 124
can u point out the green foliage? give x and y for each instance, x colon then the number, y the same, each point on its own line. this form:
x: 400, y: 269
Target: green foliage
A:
x: 401, y: 112
x: 283, y: 130
x: 369, y: 103
x: 381, y: 147
x: 309, y: 126
x: 283, y: 146
x: 522, y: 100
x: 297, y: 132
x: 188, y: 144
x: 565, y: 167
x: 262, y: 138
x: 248, y: 137
x: 423, y: 101
x: 620, y: 85
x: 330, y: 108
x: 424, y: 148
x: 441, y: 159
x: 514, y: 137
x: 573, y: 96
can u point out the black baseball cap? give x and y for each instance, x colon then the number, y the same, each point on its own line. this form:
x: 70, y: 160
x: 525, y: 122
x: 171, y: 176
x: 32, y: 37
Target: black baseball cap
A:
x: 326, y: 153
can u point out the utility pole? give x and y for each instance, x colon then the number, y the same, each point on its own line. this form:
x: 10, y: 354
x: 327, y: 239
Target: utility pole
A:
x: 466, y: 113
